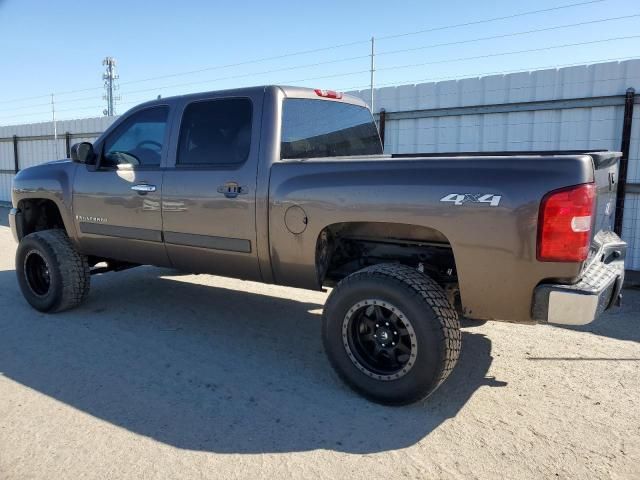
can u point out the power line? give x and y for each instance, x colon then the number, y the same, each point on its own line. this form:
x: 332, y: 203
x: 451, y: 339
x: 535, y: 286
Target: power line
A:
x: 49, y: 111
x: 359, y: 42
x: 489, y: 55
x: 487, y: 20
x: 333, y: 75
x: 407, y: 66
x: 281, y: 82
x: 140, y: 101
x: 72, y: 100
x: 248, y: 62
x: 391, y: 52
x: 27, y: 106
x: 431, y: 63
x: 506, y: 35
x: 250, y: 74
x: 216, y: 67
x: 244, y: 75
x: 48, y: 95
x: 315, y: 50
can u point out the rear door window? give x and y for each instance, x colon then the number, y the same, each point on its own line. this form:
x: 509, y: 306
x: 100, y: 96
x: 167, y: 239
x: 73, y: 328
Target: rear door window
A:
x: 215, y: 132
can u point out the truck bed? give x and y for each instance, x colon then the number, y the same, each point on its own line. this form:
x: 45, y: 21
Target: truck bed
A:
x: 492, y: 244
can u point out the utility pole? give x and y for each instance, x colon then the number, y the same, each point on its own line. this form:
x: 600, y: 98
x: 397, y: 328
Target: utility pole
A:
x: 373, y: 69
x: 55, y: 126
x: 110, y: 76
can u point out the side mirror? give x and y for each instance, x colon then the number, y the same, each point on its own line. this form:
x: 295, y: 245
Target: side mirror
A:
x: 83, y: 153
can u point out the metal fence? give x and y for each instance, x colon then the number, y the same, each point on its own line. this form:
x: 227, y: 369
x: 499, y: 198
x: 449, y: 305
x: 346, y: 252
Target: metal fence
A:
x: 574, y: 108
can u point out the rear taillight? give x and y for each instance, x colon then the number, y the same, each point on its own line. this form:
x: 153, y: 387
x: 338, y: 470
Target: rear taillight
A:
x: 564, y: 224
x: 328, y: 94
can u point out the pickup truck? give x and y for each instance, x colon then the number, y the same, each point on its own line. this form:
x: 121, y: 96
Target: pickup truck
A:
x: 290, y: 186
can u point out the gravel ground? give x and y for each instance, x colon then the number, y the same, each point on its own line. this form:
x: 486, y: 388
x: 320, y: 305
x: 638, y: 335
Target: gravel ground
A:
x: 163, y: 375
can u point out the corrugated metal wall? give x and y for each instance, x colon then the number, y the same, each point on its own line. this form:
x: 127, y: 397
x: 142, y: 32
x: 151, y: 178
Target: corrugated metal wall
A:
x: 5, y: 186
x: 561, y: 129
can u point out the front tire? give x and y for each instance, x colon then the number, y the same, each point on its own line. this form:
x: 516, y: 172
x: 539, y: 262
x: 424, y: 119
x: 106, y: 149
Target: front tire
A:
x: 391, y: 334
x: 52, y: 275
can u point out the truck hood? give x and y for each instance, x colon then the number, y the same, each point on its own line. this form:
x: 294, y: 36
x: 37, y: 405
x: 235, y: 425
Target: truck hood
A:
x: 49, y: 180
x: 63, y: 160
x: 50, y: 166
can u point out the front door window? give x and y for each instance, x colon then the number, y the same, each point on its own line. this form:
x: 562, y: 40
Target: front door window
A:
x: 138, y: 141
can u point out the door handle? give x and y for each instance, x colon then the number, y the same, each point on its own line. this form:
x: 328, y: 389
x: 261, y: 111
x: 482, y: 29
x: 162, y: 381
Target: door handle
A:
x: 143, y: 188
x: 232, y: 189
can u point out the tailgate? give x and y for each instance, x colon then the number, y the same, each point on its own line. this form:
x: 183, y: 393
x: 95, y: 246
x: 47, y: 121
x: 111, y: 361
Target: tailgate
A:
x: 606, y: 178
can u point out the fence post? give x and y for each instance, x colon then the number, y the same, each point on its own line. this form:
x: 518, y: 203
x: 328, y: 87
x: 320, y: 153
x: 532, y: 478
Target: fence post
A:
x: 67, y: 142
x: 382, y: 121
x: 16, y: 164
x: 624, y: 160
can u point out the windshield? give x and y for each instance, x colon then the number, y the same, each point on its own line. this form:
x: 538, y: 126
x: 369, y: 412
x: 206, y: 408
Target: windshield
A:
x: 324, y: 128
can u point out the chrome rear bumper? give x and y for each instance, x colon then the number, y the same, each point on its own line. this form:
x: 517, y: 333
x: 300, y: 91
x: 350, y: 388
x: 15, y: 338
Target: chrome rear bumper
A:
x: 598, y: 289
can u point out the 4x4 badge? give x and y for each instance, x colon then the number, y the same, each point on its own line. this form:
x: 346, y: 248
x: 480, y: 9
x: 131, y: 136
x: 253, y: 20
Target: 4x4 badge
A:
x: 461, y: 198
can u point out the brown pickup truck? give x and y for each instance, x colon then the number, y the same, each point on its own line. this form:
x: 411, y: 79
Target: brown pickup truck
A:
x: 291, y: 186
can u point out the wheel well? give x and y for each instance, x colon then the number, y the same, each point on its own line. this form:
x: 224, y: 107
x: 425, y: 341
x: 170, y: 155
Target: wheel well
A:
x: 39, y: 214
x: 344, y: 248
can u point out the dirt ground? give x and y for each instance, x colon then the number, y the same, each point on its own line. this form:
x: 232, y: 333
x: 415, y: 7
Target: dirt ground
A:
x: 163, y: 375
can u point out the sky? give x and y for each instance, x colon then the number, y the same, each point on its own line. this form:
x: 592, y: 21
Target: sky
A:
x: 195, y: 45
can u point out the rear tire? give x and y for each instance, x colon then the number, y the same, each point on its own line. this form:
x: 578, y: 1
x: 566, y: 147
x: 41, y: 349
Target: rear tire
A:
x: 51, y: 273
x: 391, y: 334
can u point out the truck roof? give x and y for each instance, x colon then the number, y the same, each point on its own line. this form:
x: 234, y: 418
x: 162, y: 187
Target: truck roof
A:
x: 288, y: 91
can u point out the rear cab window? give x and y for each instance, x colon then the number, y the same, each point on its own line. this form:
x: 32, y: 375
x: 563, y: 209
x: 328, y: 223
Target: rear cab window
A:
x: 314, y: 128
